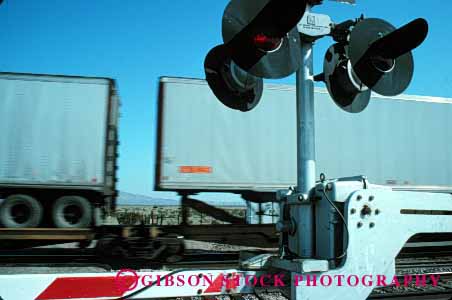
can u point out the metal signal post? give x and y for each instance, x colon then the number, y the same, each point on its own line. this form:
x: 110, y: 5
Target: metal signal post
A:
x: 305, y: 150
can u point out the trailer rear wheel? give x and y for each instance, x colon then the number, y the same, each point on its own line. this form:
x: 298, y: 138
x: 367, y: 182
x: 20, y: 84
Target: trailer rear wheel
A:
x: 72, y: 212
x: 20, y: 211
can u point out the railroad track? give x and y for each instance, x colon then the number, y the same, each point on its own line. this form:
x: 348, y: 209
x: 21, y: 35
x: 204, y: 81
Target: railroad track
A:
x: 439, y: 267
x: 426, y: 294
x: 424, y: 260
x: 427, y: 249
x: 252, y: 235
x: 86, y: 257
x: 442, y: 262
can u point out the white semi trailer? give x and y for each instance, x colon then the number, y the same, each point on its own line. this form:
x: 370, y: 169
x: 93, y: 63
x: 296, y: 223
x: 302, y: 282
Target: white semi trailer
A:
x: 58, y: 149
x: 204, y: 146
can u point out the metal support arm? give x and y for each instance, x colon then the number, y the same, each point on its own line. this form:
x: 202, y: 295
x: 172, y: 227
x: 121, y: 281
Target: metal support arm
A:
x: 380, y: 221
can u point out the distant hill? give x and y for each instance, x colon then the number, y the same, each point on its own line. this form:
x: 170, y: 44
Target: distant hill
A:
x: 126, y: 198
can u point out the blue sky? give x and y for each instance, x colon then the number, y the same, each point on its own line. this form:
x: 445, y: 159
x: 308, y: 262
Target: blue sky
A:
x: 137, y: 41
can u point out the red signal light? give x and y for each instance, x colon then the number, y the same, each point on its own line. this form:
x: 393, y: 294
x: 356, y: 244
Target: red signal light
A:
x: 267, y: 44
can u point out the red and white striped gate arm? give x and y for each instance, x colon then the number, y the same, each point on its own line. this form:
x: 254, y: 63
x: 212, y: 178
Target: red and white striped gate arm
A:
x: 125, y: 284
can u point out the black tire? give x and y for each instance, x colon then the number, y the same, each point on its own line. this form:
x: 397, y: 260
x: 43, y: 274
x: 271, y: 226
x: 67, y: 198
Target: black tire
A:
x: 20, y: 211
x: 72, y: 212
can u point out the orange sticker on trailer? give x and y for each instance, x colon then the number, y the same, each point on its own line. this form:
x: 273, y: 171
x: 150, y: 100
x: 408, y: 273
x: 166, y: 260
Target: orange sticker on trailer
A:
x: 195, y: 169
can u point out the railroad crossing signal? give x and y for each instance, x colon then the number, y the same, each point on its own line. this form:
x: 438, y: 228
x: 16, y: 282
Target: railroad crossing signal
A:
x: 369, y: 55
x: 263, y: 39
x: 260, y: 41
x: 375, y: 56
